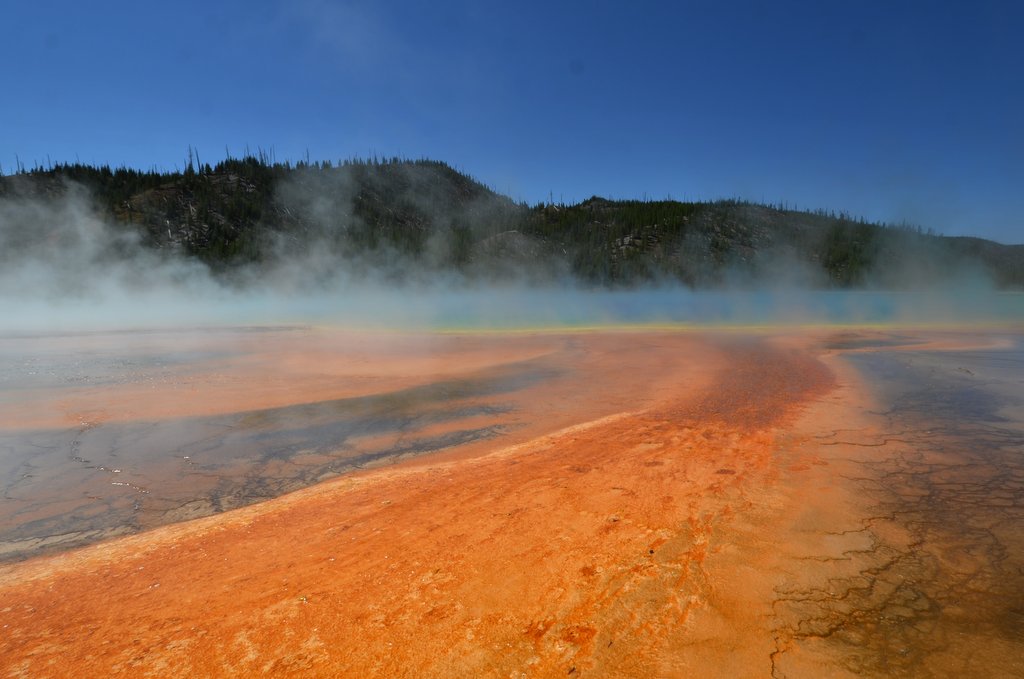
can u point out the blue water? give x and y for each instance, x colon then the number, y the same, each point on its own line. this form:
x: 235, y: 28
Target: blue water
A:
x: 504, y: 308
x: 529, y: 308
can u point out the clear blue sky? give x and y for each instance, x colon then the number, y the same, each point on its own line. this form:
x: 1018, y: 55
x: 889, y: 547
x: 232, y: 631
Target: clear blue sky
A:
x: 890, y: 110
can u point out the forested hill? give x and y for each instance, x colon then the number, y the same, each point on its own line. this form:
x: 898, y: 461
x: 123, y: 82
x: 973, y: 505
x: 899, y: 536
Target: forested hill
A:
x: 397, y: 216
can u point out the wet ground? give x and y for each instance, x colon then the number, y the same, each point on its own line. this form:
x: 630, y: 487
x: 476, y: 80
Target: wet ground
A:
x: 784, y: 504
x: 925, y: 572
x: 105, y: 434
x: 71, y: 486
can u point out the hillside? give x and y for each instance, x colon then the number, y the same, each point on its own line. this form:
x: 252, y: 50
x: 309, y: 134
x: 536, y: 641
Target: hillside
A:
x: 400, y: 219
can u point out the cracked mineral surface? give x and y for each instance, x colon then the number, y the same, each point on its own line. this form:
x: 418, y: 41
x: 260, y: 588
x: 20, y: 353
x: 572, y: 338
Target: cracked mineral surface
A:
x: 923, y: 574
x: 312, y: 502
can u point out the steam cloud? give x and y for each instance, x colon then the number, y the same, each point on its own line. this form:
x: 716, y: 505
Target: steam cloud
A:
x: 63, y: 267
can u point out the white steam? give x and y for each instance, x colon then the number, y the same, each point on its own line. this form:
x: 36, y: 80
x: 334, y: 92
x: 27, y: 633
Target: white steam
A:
x: 64, y: 268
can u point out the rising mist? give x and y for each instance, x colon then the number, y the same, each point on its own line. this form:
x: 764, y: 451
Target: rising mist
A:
x: 417, y: 244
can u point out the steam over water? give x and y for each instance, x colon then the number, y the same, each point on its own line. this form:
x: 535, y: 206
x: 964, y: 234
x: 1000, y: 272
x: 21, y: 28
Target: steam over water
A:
x: 508, y: 308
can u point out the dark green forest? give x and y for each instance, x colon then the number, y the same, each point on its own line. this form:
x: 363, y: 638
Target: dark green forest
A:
x: 400, y: 216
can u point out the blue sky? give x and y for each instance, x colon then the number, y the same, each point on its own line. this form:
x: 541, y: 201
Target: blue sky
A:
x: 889, y: 110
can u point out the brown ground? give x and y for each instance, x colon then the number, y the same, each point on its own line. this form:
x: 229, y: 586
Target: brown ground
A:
x: 635, y: 543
